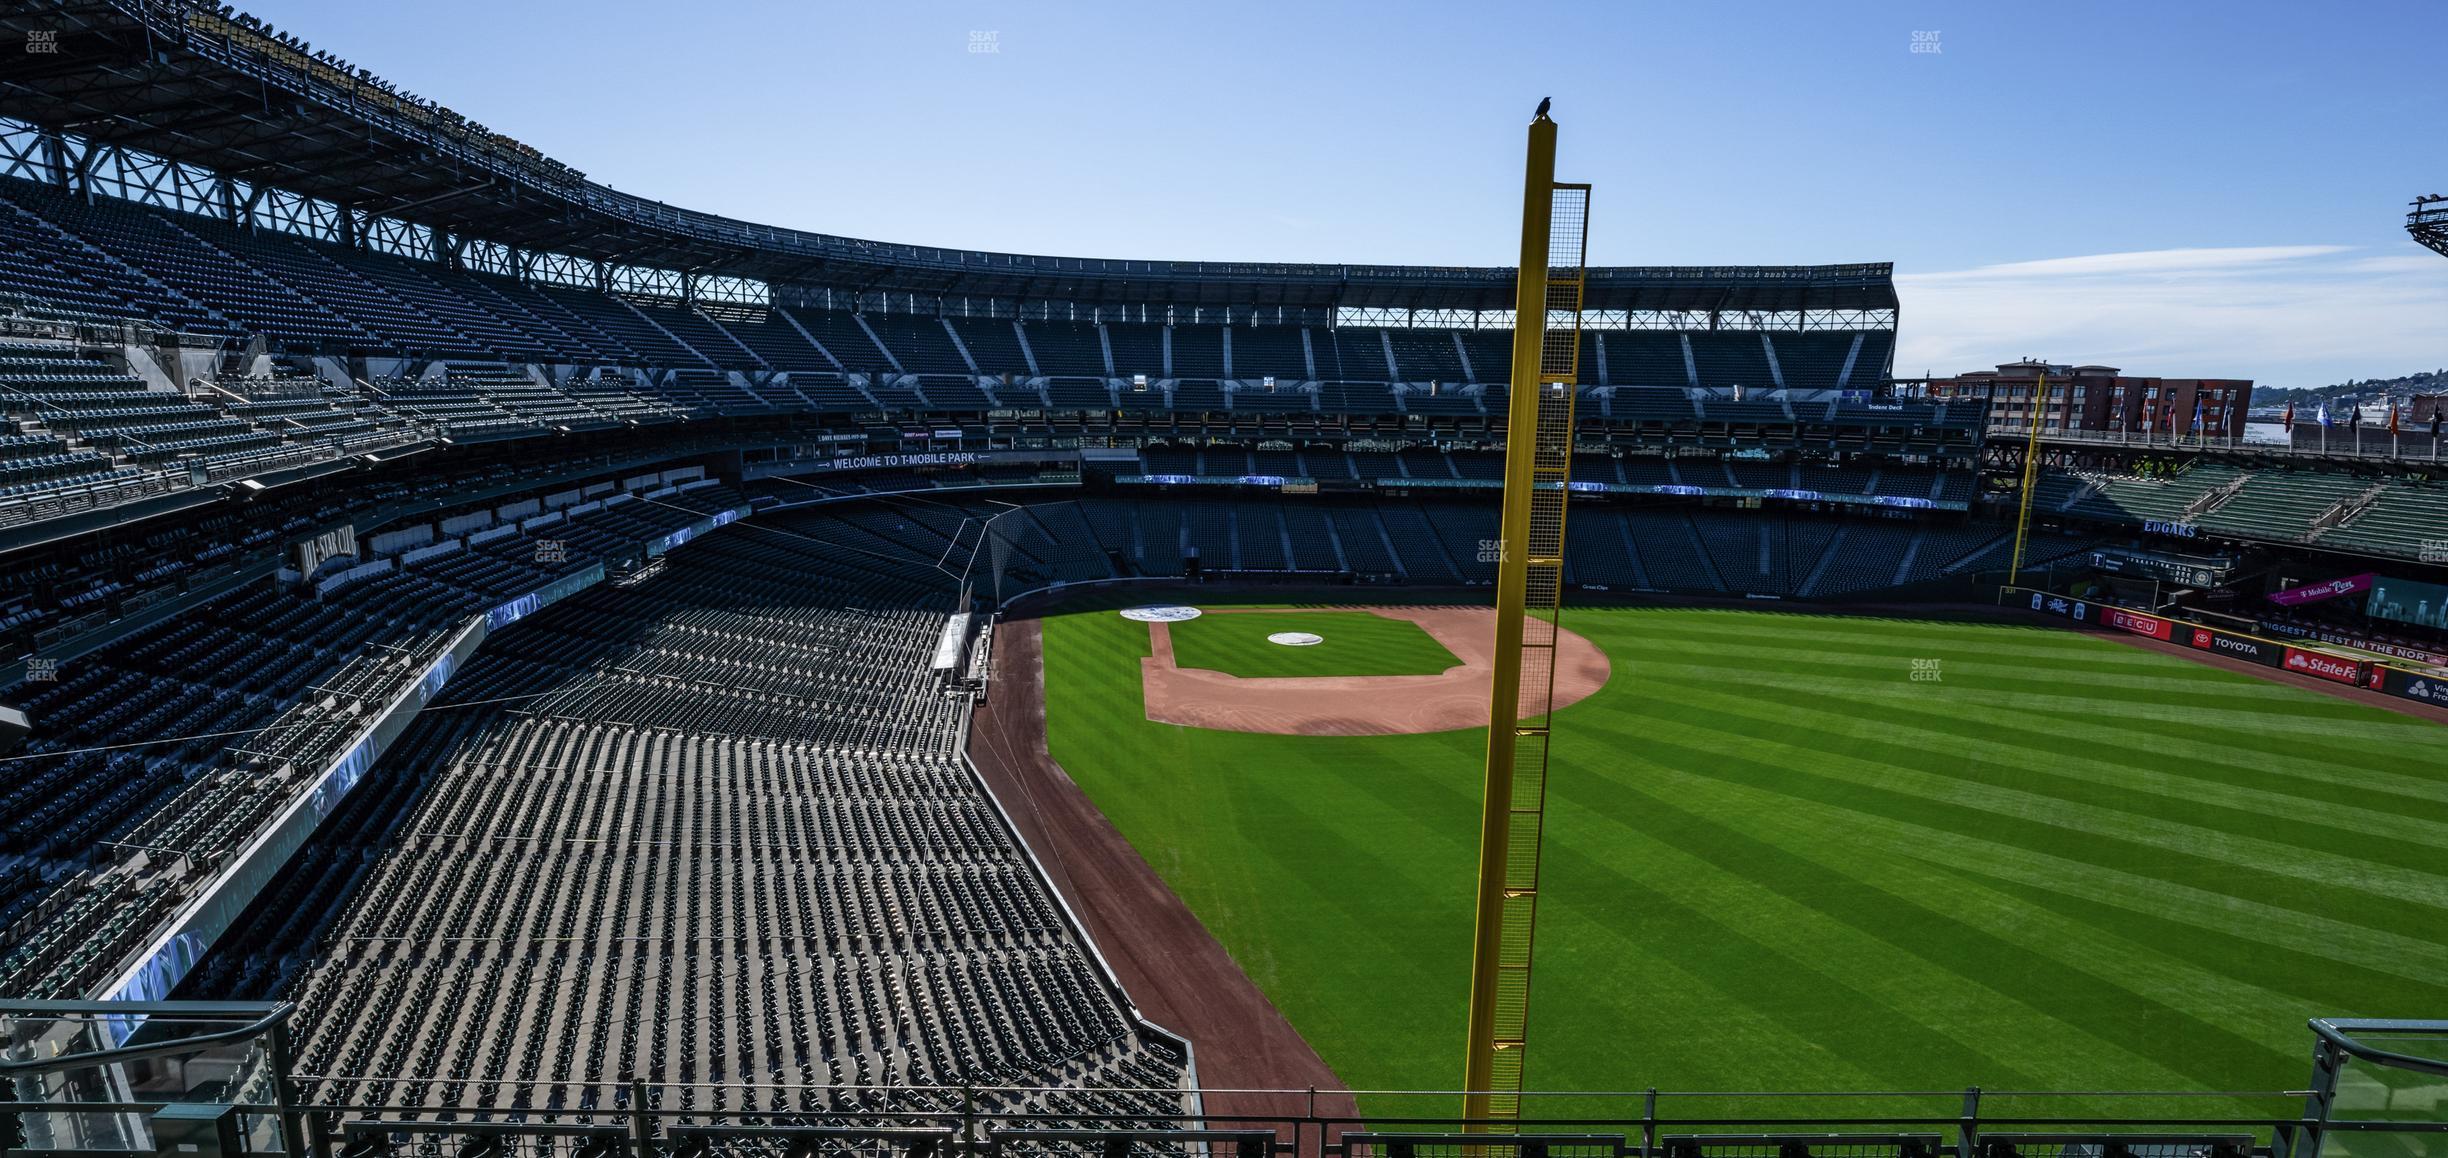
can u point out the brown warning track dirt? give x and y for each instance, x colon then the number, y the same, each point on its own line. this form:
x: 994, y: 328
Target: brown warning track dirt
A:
x: 1174, y: 970
x: 1361, y: 705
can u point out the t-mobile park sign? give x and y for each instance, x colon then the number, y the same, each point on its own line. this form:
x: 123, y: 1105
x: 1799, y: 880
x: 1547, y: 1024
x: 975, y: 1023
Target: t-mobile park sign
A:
x: 2316, y: 592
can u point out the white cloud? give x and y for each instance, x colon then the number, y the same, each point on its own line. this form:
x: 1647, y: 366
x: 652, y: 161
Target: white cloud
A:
x: 2283, y: 315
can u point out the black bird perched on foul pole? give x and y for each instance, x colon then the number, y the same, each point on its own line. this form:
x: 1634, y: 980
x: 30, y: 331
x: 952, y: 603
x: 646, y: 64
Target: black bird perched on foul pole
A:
x: 1542, y: 113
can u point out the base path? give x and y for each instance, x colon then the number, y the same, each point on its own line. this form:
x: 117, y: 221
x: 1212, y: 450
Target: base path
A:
x: 1360, y: 705
x: 1176, y: 972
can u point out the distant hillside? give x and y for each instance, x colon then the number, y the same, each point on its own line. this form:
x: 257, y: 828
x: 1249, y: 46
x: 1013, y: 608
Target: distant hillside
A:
x: 2368, y: 389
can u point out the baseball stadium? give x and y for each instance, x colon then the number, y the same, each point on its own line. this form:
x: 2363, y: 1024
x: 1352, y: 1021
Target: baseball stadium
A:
x: 499, y: 667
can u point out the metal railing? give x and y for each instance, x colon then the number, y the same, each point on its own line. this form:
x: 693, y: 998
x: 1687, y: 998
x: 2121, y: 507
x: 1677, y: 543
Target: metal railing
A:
x: 2408, y: 446
x: 130, y: 1078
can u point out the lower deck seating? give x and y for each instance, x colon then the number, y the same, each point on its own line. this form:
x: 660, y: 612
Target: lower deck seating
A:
x: 711, y: 829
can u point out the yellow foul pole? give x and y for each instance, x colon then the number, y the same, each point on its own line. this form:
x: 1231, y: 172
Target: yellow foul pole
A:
x: 2031, y: 475
x: 1529, y: 588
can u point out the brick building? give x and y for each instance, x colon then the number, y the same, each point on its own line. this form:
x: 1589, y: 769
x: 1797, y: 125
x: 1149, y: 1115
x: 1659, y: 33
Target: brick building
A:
x: 2103, y: 398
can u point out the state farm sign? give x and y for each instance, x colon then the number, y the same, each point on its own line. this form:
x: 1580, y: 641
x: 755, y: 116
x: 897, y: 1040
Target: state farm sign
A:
x: 2323, y: 665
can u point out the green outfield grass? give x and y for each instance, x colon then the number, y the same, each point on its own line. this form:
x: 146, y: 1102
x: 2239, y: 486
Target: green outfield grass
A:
x: 1356, y: 643
x: 1777, y: 861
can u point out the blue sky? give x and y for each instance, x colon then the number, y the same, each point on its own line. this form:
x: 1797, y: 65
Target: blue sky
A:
x: 2194, y: 188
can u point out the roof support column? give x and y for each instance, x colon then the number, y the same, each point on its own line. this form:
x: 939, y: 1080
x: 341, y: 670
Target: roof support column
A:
x: 55, y: 158
x: 80, y: 169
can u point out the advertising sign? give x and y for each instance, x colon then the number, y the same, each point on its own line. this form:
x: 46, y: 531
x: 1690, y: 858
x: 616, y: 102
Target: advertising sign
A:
x: 2242, y: 647
x: 2323, y: 665
x: 2428, y: 689
x: 2138, y: 623
x: 2316, y: 592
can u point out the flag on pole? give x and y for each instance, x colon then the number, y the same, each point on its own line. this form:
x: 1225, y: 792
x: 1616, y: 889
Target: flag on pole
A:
x: 2324, y: 412
x: 2392, y: 420
x: 2288, y: 423
x: 2197, y: 414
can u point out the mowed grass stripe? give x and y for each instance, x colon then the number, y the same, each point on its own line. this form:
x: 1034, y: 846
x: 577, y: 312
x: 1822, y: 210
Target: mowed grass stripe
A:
x: 2004, y: 963
x: 1746, y: 921
x: 2199, y: 740
x: 2265, y: 964
x: 2151, y: 684
x: 2111, y: 952
x: 1984, y: 754
x: 2091, y: 659
x: 2151, y: 898
x: 2181, y: 854
x: 1776, y: 862
x: 1854, y: 636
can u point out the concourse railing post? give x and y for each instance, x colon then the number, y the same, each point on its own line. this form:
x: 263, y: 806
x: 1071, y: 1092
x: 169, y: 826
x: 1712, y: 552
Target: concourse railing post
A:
x: 1649, y: 1123
x: 1968, y: 1144
x: 318, y: 1134
x: 641, y: 1125
x: 1310, y: 1118
x: 2327, y: 1061
x: 292, y: 1128
x: 968, y: 1140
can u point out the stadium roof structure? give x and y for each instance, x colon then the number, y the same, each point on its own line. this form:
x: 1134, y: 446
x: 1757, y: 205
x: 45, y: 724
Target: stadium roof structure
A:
x: 200, y: 84
x: 2427, y: 223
